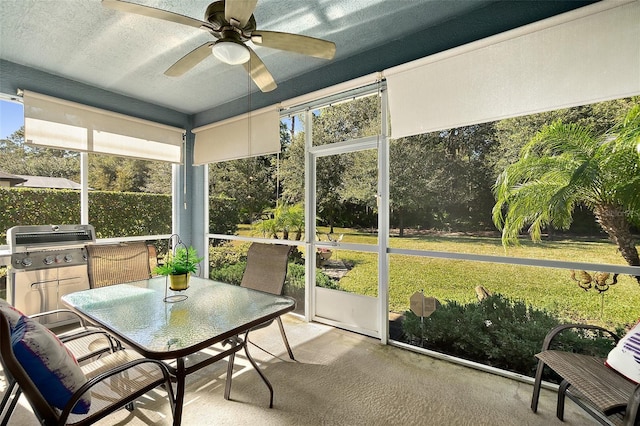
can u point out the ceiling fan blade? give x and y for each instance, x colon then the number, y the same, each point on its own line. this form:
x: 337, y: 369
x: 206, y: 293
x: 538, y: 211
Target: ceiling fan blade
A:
x: 259, y: 72
x: 239, y: 10
x: 152, y: 12
x: 295, y: 43
x: 189, y: 60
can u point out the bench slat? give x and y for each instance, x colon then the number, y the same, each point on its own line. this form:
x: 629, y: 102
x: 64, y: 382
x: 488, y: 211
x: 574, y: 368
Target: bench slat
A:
x: 603, y: 386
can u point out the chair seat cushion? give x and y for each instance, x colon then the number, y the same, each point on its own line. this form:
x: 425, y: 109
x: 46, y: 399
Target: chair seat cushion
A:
x: 625, y: 357
x: 48, y: 362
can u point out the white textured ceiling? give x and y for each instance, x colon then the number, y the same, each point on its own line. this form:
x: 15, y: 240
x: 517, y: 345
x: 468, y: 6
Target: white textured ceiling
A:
x: 127, y: 54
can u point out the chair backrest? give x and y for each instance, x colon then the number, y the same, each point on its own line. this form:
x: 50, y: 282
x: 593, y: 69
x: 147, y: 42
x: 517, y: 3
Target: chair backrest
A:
x: 13, y: 369
x: 109, y: 264
x: 266, y: 267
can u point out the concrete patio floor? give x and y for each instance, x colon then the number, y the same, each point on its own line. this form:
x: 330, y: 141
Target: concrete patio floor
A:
x: 342, y: 378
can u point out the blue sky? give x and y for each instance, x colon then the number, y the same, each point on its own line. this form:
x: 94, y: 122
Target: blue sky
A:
x: 11, y: 117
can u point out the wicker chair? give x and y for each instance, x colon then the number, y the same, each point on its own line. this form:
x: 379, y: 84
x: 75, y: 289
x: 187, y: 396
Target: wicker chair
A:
x: 266, y: 271
x: 109, y: 264
x: 113, y: 381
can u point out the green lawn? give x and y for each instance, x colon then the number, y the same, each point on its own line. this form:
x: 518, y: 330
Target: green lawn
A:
x: 450, y: 279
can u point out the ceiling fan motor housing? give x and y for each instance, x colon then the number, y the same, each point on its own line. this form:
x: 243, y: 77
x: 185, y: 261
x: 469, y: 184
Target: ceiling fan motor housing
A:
x: 232, y: 23
x: 215, y: 15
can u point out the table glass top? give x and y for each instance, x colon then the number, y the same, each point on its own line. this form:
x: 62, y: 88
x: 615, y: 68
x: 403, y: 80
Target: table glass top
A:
x: 137, y: 312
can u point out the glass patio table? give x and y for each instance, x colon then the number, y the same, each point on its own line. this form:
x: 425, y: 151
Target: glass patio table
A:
x: 213, y: 312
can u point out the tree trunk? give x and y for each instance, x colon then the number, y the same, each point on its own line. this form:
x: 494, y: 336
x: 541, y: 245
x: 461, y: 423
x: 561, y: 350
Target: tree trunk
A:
x: 613, y: 221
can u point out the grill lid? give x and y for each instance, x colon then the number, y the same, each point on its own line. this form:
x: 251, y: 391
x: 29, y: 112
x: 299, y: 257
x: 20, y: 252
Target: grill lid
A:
x: 30, y: 237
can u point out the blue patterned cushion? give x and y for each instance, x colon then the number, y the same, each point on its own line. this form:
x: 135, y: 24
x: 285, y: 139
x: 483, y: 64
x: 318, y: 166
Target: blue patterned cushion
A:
x: 11, y: 313
x: 49, y: 363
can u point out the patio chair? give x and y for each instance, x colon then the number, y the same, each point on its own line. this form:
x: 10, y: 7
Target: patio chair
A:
x: 109, y: 264
x: 266, y: 271
x: 58, y: 389
x: 85, y: 343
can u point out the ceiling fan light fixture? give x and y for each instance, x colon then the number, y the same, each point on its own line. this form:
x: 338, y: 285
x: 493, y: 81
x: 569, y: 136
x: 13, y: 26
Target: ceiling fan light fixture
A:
x: 230, y: 52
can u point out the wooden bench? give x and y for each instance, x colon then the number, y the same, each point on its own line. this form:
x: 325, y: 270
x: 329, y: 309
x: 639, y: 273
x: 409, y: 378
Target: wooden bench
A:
x: 606, y: 395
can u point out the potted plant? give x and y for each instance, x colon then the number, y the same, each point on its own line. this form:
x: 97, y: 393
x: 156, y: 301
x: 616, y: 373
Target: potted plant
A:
x: 179, y: 265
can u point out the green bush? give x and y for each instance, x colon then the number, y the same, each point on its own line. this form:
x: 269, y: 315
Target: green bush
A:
x: 227, y: 253
x: 127, y: 214
x: 230, y: 274
x: 295, y: 279
x: 497, y: 331
x: 113, y: 214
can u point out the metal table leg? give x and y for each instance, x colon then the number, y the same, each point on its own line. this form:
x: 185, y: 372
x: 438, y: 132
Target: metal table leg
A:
x: 180, y: 374
x: 264, y: 378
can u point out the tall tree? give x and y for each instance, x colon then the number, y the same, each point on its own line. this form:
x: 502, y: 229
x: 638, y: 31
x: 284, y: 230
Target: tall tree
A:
x: 441, y: 178
x: 292, y: 171
x: 569, y: 165
x: 342, y: 178
x: 21, y: 159
x: 159, y: 178
x: 413, y: 169
x: 512, y: 134
x: 346, y: 178
x: 251, y: 181
x: 111, y: 173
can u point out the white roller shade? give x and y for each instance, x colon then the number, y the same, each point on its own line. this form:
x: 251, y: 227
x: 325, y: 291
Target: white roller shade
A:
x: 229, y: 139
x: 588, y: 55
x: 331, y: 91
x: 57, y: 123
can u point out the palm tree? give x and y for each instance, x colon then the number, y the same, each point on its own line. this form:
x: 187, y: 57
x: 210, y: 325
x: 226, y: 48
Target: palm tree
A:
x: 565, y: 166
x: 284, y: 218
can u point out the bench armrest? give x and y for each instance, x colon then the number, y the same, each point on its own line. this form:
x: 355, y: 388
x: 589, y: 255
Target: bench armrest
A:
x: 562, y: 327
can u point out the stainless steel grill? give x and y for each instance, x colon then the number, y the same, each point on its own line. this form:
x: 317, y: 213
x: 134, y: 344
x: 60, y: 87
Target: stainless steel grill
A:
x: 47, y: 262
x: 28, y: 238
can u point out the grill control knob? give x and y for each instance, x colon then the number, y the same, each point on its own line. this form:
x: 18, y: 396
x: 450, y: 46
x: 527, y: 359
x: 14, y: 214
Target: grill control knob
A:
x: 68, y: 258
x: 48, y: 260
x: 27, y: 261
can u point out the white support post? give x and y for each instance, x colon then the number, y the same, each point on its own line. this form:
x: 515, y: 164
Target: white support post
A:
x: 310, y: 217
x: 84, y: 190
x: 383, y: 219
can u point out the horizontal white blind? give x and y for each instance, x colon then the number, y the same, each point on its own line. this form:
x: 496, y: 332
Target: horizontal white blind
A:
x: 229, y: 139
x: 57, y: 123
x: 588, y: 55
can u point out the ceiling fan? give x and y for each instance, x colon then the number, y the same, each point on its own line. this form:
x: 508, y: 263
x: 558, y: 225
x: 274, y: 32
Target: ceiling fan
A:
x: 232, y: 23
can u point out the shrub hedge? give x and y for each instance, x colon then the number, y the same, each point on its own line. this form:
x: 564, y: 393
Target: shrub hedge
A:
x: 496, y: 331
x: 113, y: 214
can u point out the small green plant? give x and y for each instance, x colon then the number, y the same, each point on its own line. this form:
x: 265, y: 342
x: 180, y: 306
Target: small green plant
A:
x: 180, y: 262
